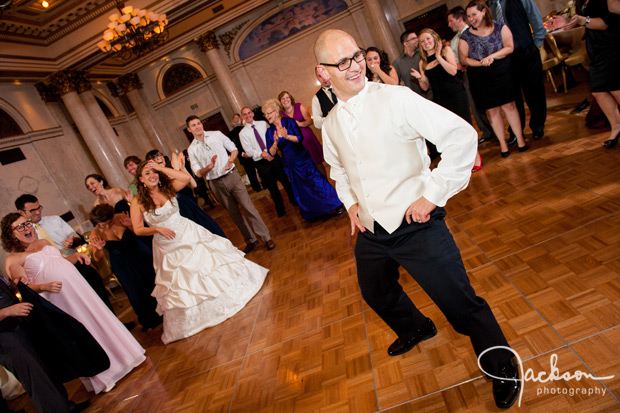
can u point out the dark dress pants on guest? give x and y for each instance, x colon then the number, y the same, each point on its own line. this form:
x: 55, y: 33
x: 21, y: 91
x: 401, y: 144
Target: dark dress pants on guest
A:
x: 427, y: 251
x: 528, y: 74
x: 270, y: 173
x: 19, y: 357
x: 250, y: 170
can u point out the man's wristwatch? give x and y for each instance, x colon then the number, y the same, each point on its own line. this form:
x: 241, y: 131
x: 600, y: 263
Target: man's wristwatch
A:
x: 587, y: 21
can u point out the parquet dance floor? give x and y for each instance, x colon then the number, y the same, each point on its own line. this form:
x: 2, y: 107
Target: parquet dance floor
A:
x: 540, y: 237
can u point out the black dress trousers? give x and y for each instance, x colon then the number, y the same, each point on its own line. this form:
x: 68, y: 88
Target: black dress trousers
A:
x: 428, y: 252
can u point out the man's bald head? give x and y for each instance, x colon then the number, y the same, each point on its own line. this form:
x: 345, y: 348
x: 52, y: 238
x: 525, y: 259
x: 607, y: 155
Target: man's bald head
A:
x: 326, y: 40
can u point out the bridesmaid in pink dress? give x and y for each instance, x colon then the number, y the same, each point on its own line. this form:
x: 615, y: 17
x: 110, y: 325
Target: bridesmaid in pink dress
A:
x: 301, y: 115
x: 39, y: 264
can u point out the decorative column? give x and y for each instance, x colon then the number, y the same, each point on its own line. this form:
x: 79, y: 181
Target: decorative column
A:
x: 110, y: 139
x: 130, y: 84
x: 64, y: 82
x: 65, y: 156
x: 208, y: 45
x: 382, y: 27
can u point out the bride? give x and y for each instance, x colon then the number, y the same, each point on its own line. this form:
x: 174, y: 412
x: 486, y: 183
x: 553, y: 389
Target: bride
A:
x: 201, y: 278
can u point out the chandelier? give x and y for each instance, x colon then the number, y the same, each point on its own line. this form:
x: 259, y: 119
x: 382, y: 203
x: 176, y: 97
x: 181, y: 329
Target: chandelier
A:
x: 133, y: 32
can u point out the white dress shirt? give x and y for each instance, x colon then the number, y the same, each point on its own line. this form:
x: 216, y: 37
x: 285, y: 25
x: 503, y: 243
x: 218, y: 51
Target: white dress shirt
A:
x: 454, y: 43
x: 375, y: 145
x: 317, y: 112
x: 248, y: 139
x: 58, y: 230
x: 214, y: 143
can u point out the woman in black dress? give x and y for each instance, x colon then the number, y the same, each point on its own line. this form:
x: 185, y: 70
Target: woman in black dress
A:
x: 485, y: 49
x: 438, y: 71
x: 131, y: 259
x: 603, y: 46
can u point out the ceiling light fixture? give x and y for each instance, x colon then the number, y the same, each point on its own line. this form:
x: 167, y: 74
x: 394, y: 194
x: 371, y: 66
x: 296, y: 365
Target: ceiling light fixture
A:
x: 45, y: 4
x: 133, y: 32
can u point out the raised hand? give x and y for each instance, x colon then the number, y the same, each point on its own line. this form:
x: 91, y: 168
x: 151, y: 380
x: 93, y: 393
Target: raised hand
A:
x: 416, y: 74
x: 125, y: 219
x: 97, y: 243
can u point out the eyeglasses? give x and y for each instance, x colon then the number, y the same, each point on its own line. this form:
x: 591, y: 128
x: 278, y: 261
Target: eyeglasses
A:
x: 269, y: 113
x: 345, y: 63
x: 22, y: 227
x: 411, y: 38
x: 30, y: 211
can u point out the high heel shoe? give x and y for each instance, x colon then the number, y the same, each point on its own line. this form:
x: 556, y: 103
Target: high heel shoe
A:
x: 505, y: 154
x: 477, y: 168
x: 523, y: 148
x: 611, y: 142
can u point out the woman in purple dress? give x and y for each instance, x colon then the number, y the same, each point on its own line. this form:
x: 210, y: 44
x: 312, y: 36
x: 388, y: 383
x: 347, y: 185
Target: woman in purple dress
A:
x: 485, y: 49
x: 314, y: 194
x: 300, y: 113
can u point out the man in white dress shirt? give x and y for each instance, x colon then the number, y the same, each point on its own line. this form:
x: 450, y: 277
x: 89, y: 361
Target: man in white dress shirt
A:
x: 270, y: 168
x: 212, y: 156
x: 323, y: 101
x: 374, y: 141
x: 60, y: 234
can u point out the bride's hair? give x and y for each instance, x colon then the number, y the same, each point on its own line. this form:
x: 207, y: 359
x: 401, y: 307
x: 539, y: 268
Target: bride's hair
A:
x: 165, y: 186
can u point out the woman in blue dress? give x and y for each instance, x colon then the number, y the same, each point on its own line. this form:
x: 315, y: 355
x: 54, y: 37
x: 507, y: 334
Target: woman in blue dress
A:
x: 314, y: 194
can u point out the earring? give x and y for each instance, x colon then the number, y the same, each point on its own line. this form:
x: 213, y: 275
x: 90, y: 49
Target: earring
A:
x: 159, y: 183
x: 144, y: 184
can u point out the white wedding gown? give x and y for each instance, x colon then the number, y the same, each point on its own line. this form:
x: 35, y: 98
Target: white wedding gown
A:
x: 201, y: 278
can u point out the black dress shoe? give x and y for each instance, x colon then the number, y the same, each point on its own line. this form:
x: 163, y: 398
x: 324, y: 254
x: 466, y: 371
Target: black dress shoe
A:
x: 401, y: 346
x: 512, y: 139
x: 506, y: 391
x: 611, y: 142
x: 78, y: 407
x: 538, y: 134
x: 484, y: 139
x: 249, y: 247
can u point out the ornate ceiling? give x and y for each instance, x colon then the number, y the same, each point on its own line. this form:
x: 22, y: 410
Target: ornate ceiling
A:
x: 37, y: 41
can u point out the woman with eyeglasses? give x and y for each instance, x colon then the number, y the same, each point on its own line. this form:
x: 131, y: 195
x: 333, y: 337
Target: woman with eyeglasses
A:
x: 37, y: 263
x: 438, y: 71
x: 314, y: 194
x: 485, y: 48
x: 115, y: 197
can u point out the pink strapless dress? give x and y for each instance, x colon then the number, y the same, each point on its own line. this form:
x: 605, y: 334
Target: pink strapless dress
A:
x: 78, y: 299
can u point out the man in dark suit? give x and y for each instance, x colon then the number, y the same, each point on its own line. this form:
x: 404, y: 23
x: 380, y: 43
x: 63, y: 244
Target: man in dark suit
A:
x: 246, y: 160
x: 19, y: 355
x: 270, y: 168
x: 323, y: 101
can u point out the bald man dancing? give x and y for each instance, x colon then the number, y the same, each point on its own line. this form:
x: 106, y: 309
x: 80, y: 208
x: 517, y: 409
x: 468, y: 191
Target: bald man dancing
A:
x: 374, y: 141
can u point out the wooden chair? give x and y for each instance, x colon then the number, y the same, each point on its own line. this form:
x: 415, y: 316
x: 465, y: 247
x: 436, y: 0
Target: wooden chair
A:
x: 580, y: 57
x: 552, y: 58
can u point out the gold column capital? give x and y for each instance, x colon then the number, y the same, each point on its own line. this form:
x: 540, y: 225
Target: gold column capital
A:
x: 82, y: 84
x: 47, y: 92
x: 63, y: 82
x: 207, y: 41
x: 129, y: 82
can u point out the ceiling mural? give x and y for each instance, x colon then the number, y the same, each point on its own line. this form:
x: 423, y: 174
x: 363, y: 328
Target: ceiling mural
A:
x: 287, y: 22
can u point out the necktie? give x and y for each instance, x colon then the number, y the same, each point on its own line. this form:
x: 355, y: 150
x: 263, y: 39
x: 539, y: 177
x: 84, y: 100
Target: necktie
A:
x: 333, y: 96
x: 499, y: 13
x: 43, y: 234
x: 258, y: 138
